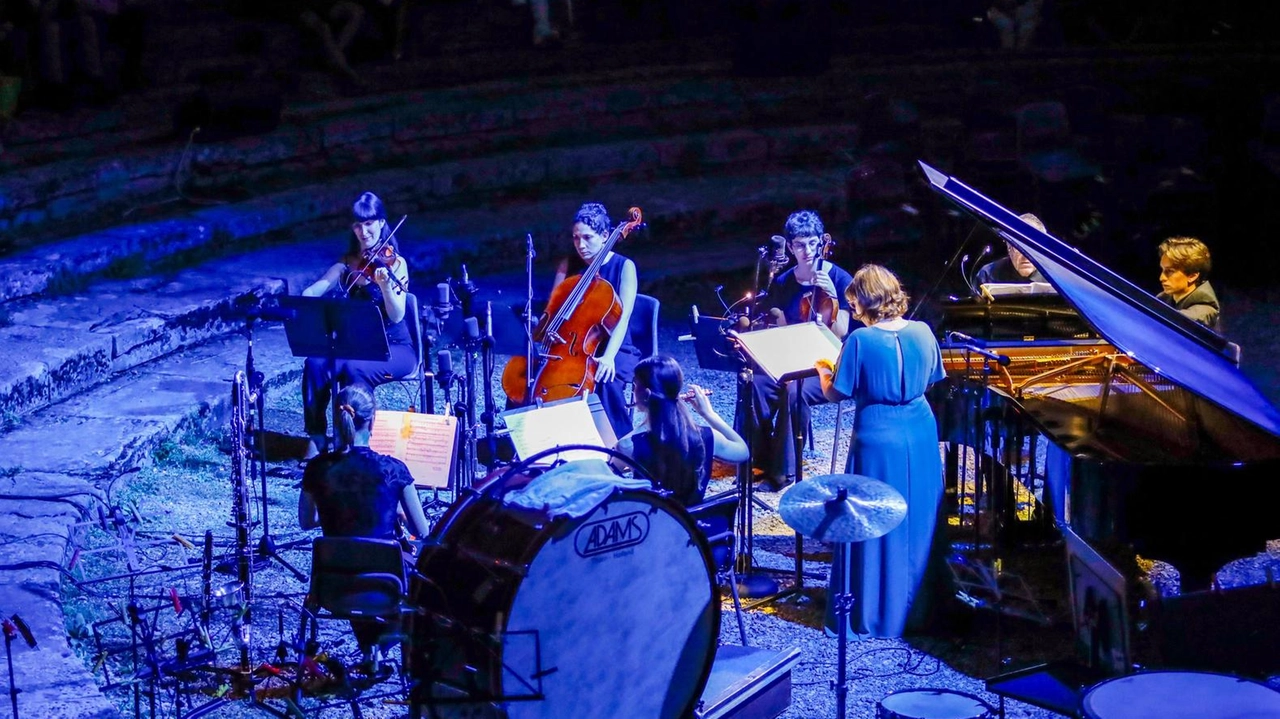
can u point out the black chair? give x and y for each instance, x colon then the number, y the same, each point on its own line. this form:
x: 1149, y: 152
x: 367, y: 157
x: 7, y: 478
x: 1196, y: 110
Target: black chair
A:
x: 644, y: 325
x: 644, y: 330
x: 420, y: 375
x: 360, y: 580
x: 716, y: 517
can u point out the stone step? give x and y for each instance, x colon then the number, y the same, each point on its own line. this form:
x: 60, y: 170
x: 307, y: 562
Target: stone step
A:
x: 70, y: 453
x: 59, y: 347
x: 405, y: 130
x: 529, y: 173
x: 63, y: 344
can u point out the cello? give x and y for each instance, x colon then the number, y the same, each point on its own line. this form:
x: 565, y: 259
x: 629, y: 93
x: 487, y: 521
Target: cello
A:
x: 583, y: 310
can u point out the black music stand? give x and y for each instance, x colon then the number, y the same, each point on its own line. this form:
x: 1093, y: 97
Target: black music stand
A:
x: 335, y: 329
x: 786, y: 354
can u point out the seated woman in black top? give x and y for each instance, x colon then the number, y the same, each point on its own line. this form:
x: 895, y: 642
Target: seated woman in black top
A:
x: 355, y: 492
x: 666, y: 442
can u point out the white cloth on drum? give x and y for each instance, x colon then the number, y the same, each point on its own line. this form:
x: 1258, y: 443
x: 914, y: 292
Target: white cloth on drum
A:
x: 573, y: 489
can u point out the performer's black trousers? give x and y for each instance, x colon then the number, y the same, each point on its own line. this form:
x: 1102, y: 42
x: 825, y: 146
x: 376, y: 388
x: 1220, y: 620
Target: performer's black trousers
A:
x: 317, y: 383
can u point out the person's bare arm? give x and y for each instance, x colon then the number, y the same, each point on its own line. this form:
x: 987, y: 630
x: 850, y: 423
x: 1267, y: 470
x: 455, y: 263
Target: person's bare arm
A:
x: 326, y: 282
x: 412, y: 506
x: 729, y: 445
x: 308, y: 515
x: 607, y: 369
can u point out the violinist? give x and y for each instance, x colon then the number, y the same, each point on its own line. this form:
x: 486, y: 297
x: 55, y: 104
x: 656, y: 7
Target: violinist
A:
x: 616, y: 363
x: 371, y: 269
x: 812, y: 290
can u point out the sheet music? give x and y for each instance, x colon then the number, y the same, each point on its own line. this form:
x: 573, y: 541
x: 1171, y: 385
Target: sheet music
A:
x: 555, y: 424
x: 1006, y: 289
x: 786, y: 353
x: 424, y: 442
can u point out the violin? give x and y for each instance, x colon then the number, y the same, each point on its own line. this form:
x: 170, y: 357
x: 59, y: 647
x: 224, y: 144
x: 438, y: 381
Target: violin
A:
x: 381, y: 256
x: 815, y: 305
x: 583, y: 310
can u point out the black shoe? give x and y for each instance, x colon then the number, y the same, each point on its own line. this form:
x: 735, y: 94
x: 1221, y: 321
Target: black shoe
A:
x: 774, y: 483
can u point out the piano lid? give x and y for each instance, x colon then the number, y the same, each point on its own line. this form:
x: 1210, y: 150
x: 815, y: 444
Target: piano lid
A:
x: 1128, y: 317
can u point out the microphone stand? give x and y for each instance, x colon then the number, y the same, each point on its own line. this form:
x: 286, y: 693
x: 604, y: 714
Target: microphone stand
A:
x: 489, y: 417
x: 529, y: 254
x: 255, y: 424
x: 465, y: 409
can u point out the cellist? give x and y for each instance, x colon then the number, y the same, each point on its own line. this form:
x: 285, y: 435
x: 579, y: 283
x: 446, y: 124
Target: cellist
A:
x: 616, y: 363
x: 812, y: 289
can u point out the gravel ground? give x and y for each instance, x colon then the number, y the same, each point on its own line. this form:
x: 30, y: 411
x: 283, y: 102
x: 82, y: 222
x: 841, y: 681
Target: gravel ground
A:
x: 186, y: 491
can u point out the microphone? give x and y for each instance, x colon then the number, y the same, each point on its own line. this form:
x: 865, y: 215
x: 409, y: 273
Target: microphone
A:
x: 473, y: 328
x: 467, y: 285
x: 269, y: 313
x: 443, y: 303
x: 725, y: 305
x: 972, y: 345
x: 15, y: 623
x: 488, y: 320
x: 444, y: 368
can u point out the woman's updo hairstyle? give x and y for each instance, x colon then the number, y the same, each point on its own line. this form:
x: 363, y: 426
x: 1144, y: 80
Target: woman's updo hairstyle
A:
x: 595, y: 216
x: 877, y: 293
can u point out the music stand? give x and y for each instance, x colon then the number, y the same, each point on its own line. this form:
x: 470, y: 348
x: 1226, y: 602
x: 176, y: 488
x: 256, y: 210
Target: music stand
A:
x: 711, y: 344
x: 335, y: 329
x: 786, y: 354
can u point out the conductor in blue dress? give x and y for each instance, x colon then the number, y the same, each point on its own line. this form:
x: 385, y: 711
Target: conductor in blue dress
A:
x: 886, y: 366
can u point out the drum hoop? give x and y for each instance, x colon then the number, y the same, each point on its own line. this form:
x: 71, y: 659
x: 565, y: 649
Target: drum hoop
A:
x: 938, y: 690
x: 491, y: 489
x: 1234, y: 677
x: 524, y: 464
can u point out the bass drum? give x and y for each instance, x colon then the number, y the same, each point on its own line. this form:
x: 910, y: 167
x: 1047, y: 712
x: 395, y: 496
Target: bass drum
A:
x: 1181, y: 695
x: 614, y: 614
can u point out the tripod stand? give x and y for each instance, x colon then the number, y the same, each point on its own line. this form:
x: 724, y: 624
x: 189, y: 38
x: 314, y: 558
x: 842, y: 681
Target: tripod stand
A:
x: 255, y: 426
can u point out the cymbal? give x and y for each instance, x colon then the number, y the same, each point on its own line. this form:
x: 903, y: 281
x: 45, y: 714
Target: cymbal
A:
x: 842, y: 508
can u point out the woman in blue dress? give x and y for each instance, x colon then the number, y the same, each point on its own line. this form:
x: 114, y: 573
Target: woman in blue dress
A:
x: 886, y: 367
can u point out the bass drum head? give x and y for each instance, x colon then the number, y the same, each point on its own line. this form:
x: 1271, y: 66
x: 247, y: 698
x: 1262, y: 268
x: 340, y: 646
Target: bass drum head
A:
x: 932, y: 704
x: 622, y: 603
x: 1181, y: 695
x: 625, y: 606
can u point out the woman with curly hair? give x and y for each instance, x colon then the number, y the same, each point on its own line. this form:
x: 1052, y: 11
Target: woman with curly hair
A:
x: 886, y: 367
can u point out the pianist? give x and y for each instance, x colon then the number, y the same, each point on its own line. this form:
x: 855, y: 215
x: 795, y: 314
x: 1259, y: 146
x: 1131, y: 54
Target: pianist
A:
x: 1184, y: 269
x: 1014, y: 269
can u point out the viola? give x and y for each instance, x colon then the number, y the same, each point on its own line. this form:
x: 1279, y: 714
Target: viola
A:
x: 816, y: 305
x: 583, y: 311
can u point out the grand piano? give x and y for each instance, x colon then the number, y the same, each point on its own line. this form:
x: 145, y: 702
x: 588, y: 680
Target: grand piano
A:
x: 1140, y: 433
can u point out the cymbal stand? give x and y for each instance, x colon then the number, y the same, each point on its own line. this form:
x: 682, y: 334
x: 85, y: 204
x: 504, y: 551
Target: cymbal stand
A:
x: 843, y: 601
